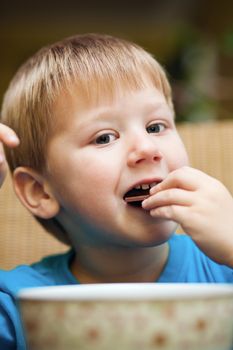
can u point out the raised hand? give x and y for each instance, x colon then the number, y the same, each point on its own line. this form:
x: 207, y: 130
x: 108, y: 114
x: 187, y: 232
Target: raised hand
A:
x: 201, y: 205
x: 8, y: 138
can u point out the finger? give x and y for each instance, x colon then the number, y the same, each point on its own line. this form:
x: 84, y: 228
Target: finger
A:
x: 168, y: 197
x: 3, y: 169
x: 2, y: 157
x: 177, y: 213
x: 8, y: 136
x: 186, y: 178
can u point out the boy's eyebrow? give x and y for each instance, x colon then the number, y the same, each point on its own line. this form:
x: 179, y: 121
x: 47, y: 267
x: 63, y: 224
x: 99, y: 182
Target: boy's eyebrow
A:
x: 103, y: 113
x: 151, y: 107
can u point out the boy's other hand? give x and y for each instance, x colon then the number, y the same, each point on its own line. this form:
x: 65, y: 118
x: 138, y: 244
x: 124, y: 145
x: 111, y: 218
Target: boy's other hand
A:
x: 8, y: 138
x: 201, y: 205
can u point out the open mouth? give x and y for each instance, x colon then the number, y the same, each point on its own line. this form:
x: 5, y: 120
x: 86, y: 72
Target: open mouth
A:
x: 136, y: 195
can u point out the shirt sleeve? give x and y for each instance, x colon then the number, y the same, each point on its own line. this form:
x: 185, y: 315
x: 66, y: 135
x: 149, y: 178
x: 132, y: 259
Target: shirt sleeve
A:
x: 222, y: 273
x: 11, y: 332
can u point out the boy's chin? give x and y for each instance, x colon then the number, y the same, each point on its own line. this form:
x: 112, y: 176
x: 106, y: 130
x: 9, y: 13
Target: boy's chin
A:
x: 161, y: 234
x: 155, y: 236
x: 142, y: 233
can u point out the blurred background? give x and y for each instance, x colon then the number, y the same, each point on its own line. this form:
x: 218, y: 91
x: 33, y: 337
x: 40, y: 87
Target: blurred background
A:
x: 193, y: 39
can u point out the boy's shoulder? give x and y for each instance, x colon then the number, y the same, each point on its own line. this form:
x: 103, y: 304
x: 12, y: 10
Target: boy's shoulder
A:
x: 51, y: 270
x: 187, y: 263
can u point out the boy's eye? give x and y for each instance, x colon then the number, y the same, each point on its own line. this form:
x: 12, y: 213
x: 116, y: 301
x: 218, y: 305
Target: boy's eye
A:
x: 105, y: 139
x: 155, y: 128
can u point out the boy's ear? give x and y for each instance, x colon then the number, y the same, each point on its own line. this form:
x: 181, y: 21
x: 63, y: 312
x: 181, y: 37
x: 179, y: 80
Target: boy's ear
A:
x: 35, y: 193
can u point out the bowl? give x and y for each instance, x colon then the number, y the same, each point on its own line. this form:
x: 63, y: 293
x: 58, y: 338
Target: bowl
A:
x: 136, y: 316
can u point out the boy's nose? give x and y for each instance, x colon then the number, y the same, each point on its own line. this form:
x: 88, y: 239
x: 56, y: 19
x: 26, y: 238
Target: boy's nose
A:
x: 144, y: 152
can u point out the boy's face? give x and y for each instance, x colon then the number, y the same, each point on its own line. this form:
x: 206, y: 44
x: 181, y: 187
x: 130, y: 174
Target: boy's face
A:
x: 100, y: 153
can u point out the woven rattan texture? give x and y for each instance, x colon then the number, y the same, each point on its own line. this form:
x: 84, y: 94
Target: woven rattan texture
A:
x: 22, y: 240
x: 210, y: 148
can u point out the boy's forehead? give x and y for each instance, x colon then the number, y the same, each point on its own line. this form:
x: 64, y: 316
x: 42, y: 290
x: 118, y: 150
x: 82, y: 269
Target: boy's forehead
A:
x: 73, y: 104
x: 69, y: 101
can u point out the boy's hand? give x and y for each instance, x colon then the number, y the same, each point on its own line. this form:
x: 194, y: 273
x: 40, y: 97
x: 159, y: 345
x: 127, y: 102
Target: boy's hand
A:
x: 9, y: 138
x: 201, y: 205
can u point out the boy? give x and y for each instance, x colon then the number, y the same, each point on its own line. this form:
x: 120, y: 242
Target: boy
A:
x: 101, y: 166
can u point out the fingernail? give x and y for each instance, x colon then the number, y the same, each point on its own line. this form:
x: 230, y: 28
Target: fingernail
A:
x: 153, y: 190
x: 1, y: 158
x: 144, y: 203
x: 13, y: 138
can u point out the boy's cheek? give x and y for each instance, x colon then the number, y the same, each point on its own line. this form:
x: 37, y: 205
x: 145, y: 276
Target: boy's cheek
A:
x: 180, y: 158
x: 180, y: 154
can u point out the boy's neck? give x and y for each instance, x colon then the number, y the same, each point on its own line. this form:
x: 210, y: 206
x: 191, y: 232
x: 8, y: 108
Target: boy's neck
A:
x: 112, y: 265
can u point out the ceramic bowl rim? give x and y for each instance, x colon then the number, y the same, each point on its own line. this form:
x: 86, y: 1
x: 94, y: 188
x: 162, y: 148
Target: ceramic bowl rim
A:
x: 127, y: 292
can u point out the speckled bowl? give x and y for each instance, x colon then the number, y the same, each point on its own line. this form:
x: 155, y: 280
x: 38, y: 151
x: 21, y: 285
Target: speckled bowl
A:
x: 129, y: 317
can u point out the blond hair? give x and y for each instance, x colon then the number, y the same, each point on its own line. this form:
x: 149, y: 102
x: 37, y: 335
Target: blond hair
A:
x: 97, y: 64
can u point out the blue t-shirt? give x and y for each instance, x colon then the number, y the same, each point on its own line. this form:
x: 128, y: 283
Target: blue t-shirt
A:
x: 185, y: 264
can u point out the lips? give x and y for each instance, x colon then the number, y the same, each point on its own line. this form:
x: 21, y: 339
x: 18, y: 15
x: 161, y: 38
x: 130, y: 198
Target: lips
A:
x: 139, y: 192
